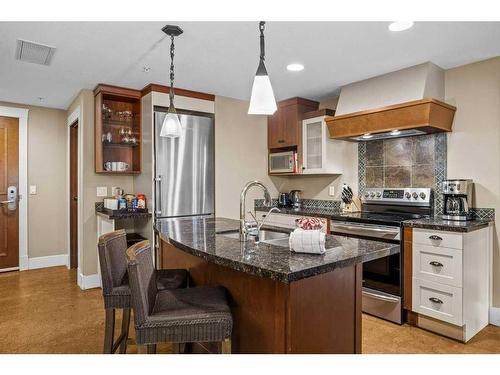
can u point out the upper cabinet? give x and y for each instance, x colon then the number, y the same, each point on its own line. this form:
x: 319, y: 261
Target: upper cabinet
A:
x: 285, y: 128
x: 321, y: 154
x: 117, y: 130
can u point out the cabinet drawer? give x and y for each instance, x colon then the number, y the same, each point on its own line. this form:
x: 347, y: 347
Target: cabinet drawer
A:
x: 437, y: 264
x: 437, y: 238
x: 438, y: 301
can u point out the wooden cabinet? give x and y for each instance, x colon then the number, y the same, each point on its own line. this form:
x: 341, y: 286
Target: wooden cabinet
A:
x: 117, y: 130
x: 285, y: 126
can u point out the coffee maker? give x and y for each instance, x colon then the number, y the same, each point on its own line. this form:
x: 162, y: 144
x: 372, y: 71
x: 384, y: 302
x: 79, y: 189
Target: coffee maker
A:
x: 457, y: 197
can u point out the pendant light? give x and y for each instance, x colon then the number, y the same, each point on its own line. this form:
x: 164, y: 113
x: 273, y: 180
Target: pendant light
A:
x: 262, y: 101
x: 171, y: 127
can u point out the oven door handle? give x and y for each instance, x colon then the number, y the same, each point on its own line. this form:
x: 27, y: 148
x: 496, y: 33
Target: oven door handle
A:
x: 350, y: 227
x: 381, y: 297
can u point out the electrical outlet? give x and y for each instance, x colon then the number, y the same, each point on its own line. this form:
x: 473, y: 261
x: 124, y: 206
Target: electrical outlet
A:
x: 331, y: 191
x: 102, y: 191
x: 33, y: 189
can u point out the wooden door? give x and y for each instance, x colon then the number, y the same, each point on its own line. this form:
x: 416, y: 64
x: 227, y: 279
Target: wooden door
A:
x: 9, y: 176
x: 73, y: 195
x: 290, y: 125
x: 275, y: 131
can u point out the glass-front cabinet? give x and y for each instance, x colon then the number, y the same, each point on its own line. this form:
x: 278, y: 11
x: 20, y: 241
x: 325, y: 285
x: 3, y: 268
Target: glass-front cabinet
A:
x: 117, y: 130
x: 321, y: 154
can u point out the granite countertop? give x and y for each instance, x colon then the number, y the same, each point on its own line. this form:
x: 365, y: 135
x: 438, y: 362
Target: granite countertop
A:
x: 437, y: 223
x: 305, y: 211
x: 204, y: 237
x: 118, y: 214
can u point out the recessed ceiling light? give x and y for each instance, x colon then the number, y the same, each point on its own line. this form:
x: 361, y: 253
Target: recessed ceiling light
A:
x: 367, y: 136
x: 395, y: 132
x: 400, y: 25
x: 295, y: 67
x: 146, y: 69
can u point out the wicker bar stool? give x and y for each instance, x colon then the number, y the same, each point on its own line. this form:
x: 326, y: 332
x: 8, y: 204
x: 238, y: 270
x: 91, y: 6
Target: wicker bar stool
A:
x: 115, y: 287
x: 179, y: 316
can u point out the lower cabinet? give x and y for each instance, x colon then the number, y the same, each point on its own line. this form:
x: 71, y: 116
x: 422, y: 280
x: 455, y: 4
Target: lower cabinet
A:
x: 451, y: 281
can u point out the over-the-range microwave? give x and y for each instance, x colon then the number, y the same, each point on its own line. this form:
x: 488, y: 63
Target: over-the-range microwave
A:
x: 283, y: 162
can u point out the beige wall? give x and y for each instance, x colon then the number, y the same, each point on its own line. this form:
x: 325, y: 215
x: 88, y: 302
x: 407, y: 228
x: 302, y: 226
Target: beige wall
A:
x: 91, y: 180
x: 46, y: 169
x: 240, y: 155
x: 474, y: 143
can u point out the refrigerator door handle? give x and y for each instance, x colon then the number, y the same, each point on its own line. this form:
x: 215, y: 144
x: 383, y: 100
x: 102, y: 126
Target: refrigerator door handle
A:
x: 158, y: 195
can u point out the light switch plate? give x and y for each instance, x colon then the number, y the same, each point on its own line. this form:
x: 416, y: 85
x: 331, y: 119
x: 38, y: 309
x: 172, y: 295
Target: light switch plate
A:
x: 102, y: 191
x: 331, y: 191
x: 33, y: 189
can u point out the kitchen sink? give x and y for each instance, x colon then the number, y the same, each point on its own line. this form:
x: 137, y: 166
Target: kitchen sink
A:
x: 266, y: 236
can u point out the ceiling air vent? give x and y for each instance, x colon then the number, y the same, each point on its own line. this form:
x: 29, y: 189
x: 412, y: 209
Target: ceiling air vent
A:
x: 34, y: 52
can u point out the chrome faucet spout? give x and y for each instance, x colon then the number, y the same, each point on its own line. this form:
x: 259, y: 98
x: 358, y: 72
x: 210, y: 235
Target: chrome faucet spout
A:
x: 243, y: 195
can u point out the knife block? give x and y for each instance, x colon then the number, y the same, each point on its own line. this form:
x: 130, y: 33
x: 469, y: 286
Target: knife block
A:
x: 354, y: 206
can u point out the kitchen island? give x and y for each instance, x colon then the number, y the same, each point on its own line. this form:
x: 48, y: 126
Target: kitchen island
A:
x: 281, y: 302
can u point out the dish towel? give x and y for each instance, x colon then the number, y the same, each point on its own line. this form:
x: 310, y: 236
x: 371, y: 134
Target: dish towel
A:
x: 307, y: 241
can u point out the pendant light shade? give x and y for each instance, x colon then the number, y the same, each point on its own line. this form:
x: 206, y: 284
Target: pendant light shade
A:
x: 171, y: 127
x: 262, y: 100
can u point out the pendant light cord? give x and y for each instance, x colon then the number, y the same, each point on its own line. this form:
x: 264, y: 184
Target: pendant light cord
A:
x: 171, y: 93
x: 262, y: 49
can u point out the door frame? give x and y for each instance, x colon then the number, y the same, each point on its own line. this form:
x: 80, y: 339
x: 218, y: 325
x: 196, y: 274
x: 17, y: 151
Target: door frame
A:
x: 22, y: 115
x: 72, y: 118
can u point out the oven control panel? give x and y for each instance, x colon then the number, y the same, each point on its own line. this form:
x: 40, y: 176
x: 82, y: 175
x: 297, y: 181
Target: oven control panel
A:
x: 401, y: 196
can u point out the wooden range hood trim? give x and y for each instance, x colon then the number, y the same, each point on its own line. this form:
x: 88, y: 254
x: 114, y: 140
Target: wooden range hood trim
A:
x: 429, y: 115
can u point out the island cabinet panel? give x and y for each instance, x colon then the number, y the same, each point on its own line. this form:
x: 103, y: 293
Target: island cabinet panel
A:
x: 312, y: 315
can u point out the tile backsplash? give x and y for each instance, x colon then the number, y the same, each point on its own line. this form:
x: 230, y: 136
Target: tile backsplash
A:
x: 418, y: 161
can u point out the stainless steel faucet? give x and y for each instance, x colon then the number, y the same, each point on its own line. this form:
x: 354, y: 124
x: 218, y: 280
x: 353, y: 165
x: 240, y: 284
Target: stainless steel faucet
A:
x: 267, y: 201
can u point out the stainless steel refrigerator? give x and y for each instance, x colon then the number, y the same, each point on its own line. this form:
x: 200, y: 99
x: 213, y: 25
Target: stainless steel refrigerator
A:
x: 184, y: 167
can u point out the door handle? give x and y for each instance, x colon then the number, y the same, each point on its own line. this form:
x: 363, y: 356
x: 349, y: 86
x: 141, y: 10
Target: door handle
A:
x: 75, y: 198
x: 7, y: 202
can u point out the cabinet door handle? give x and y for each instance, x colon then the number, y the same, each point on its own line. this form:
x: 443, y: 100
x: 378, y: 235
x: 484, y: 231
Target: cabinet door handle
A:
x: 435, y: 300
x: 281, y: 141
x: 436, y: 238
x: 436, y: 264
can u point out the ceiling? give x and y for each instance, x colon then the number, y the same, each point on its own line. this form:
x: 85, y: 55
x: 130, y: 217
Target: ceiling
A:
x: 221, y: 57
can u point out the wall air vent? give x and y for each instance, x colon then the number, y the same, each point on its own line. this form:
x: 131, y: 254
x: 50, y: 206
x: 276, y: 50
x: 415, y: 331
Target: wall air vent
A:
x: 34, y: 52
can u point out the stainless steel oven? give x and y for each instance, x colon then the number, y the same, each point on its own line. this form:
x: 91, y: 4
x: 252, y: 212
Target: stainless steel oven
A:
x: 381, y: 219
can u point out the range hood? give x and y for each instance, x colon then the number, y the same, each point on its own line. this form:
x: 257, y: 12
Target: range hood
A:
x: 398, y: 104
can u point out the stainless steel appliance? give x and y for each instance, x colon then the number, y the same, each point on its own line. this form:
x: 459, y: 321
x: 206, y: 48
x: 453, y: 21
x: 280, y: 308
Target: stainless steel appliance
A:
x: 457, y: 199
x: 295, y: 200
x: 283, y: 162
x: 184, y: 166
x: 382, y: 213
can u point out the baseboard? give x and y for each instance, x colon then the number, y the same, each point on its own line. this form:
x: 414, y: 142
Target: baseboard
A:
x: 88, y: 281
x: 49, y: 261
x: 23, y: 263
x: 495, y: 316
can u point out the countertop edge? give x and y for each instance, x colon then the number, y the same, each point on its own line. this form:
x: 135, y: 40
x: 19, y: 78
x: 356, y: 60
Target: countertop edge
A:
x: 447, y: 227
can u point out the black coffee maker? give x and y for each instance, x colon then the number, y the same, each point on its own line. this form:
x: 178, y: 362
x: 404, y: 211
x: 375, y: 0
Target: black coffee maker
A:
x: 283, y: 200
x: 457, y: 200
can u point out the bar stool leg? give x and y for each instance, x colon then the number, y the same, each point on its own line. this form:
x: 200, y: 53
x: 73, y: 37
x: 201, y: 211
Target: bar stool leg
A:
x: 125, y: 328
x: 109, y: 331
x: 226, y: 346
x: 151, y: 349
